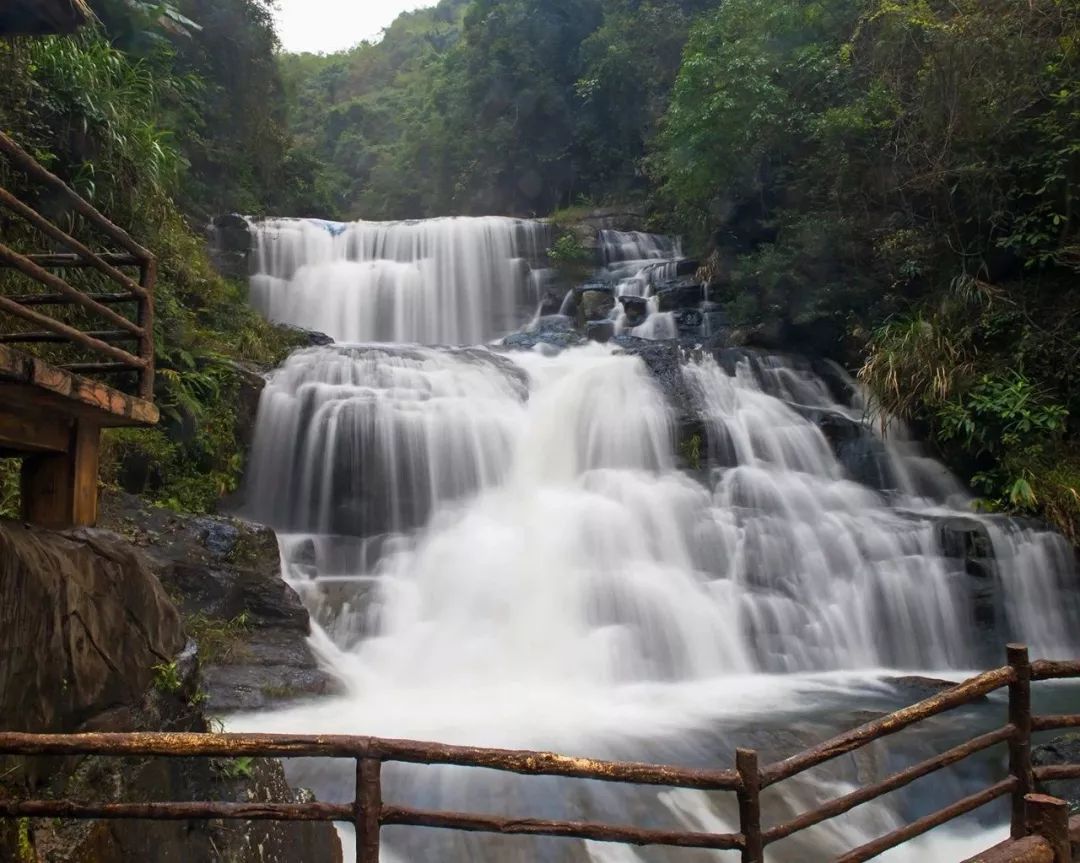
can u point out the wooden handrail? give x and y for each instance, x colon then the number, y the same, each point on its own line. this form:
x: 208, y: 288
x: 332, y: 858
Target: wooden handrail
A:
x: 898, y: 780
x: 924, y: 825
x: 28, y: 268
x: 50, y: 230
x: 369, y: 814
x: 70, y: 333
x: 32, y: 168
x: 956, y: 696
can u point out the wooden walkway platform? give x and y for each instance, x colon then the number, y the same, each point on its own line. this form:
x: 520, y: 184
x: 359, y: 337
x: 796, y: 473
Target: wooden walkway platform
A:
x: 53, y: 407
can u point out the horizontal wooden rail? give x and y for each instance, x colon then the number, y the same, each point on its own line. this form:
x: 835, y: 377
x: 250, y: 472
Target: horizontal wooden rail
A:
x: 893, y: 783
x: 70, y: 333
x: 956, y: 696
x: 176, y: 811
x: 368, y: 812
x: 399, y: 815
x: 1052, y: 723
x: 407, y: 751
x: 63, y: 300
x: 88, y: 257
x: 1045, y: 669
x: 1055, y: 772
x: 47, y: 337
x: 32, y: 168
x: 74, y: 252
x: 63, y: 260
x: 29, y: 268
x: 924, y: 825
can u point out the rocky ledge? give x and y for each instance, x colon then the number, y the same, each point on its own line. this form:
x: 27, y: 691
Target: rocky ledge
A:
x: 90, y: 641
x: 224, y: 575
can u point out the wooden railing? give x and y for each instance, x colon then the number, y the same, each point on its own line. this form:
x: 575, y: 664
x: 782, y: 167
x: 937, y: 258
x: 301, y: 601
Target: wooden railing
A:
x: 136, y: 293
x: 369, y: 813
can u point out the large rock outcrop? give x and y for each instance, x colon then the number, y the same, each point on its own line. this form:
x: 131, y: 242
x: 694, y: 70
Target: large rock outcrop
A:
x: 90, y: 640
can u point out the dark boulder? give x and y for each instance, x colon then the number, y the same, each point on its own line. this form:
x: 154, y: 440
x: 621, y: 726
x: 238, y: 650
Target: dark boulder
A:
x: 225, y: 575
x: 600, y: 331
x: 1061, y: 750
x: 636, y: 309
x: 681, y: 294
x: 596, y: 305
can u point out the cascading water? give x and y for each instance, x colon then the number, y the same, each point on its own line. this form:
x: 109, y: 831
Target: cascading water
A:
x: 502, y: 550
x: 441, y: 281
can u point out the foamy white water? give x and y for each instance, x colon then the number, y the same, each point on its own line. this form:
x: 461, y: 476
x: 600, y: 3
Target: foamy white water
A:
x: 505, y: 554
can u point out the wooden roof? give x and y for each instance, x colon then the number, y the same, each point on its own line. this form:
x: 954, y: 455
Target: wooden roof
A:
x: 42, y: 17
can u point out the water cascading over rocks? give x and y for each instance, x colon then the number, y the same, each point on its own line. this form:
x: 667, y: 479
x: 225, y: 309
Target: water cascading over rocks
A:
x: 503, y: 550
x: 441, y: 281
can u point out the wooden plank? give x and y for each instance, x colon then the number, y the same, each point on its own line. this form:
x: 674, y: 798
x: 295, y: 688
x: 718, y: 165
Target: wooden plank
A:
x: 65, y: 239
x: 962, y: 693
x: 28, y: 268
x: 20, y: 433
x: 29, y: 384
x: 29, y: 165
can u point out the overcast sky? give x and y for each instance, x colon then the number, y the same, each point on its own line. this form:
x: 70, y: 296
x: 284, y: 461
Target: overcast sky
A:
x: 332, y: 25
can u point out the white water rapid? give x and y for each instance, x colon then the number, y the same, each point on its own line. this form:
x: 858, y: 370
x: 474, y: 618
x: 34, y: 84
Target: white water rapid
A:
x: 602, y: 552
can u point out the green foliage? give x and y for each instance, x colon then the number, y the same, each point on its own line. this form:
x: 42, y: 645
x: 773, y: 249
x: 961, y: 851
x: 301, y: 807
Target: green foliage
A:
x: 9, y: 487
x: 691, y: 451
x: 234, y: 768
x: 219, y: 641
x: 24, y: 846
x: 907, y: 171
x: 167, y: 678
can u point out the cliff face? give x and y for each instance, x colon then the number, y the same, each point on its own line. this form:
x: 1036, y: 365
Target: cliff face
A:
x: 90, y: 640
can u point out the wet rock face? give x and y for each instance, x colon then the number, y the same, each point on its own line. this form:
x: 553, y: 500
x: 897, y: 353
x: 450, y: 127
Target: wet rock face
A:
x: 225, y: 576
x: 91, y: 642
x: 82, y: 625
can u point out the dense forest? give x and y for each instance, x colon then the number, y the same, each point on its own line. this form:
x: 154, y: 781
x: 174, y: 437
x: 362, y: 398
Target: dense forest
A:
x: 893, y: 180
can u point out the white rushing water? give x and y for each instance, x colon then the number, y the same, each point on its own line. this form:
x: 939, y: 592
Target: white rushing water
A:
x: 441, y: 281
x: 502, y: 550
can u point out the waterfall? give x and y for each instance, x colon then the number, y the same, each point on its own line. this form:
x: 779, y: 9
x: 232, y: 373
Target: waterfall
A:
x: 441, y: 281
x: 547, y: 550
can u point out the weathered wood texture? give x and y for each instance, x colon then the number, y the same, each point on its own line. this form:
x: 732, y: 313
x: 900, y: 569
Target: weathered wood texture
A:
x: 1045, y: 839
x: 1048, y: 817
x: 1031, y: 849
x: 957, y: 696
x: 60, y: 489
x: 368, y: 809
x: 1020, y: 742
x: 899, y: 780
x: 39, y: 268
x: 32, y: 386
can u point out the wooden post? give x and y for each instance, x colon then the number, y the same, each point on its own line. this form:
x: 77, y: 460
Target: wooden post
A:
x: 746, y: 763
x: 367, y: 809
x: 1048, y: 817
x: 60, y: 490
x: 1020, y: 743
x: 147, y: 278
